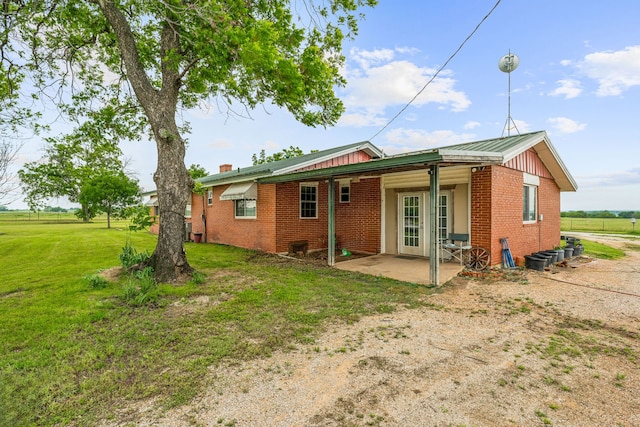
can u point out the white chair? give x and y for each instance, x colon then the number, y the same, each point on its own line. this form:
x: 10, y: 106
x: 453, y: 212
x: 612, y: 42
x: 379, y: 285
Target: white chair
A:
x: 455, y: 248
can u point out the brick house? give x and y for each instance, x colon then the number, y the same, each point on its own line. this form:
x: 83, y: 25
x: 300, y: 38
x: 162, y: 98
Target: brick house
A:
x: 355, y: 197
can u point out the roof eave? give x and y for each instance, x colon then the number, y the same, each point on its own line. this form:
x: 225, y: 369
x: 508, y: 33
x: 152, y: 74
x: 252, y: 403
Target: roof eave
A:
x: 232, y: 179
x: 565, y: 182
x: 387, y: 163
x: 487, y: 157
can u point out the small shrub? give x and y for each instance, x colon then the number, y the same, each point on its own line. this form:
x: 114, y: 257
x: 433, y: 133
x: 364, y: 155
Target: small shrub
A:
x: 198, y: 278
x: 141, y: 288
x: 96, y: 281
x: 130, y: 256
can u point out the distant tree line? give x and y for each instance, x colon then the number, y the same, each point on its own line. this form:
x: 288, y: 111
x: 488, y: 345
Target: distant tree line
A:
x: 600, y: 214
x: 45, y: 209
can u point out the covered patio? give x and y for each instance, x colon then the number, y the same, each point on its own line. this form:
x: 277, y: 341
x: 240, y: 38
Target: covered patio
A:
x: 401, y: 267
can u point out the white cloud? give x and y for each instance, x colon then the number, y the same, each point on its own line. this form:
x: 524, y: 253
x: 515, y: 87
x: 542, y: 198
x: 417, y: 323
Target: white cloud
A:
x: 566, y: 125
x: 408, y: 50
x: 367, y: 58
x: 404, y: 140
x: 471, y: 125
x: 615, y: 71
x: 568, y: 88
x: 361, y: 119
x: 380, y: 81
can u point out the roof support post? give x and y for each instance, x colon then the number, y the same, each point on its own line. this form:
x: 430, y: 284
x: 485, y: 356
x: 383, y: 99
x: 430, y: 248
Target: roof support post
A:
x: 331, y: 223
x: 434, y: 238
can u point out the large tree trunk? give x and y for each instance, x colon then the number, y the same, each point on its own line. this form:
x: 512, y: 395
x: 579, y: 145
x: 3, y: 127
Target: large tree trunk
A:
x: 173, y: 182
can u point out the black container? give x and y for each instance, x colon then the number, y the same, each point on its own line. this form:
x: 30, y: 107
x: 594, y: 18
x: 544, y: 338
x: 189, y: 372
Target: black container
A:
x: 568, y: 252
x: 560, y: 253
x: 546, y: 257
x: 571, y: 241
x: 554, y: 256
x: 534, y: 262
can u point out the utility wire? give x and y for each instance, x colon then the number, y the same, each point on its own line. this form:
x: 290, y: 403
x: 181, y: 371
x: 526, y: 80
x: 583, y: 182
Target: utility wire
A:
x: 597, y: 288
x: 442, y: 67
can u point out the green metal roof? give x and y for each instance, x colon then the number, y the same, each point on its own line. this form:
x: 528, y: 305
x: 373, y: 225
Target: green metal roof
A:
x: 487, y: 151
x: 268, y: 169
x: 497, y: 145
x: 378, y: 165
x: 490, y: 151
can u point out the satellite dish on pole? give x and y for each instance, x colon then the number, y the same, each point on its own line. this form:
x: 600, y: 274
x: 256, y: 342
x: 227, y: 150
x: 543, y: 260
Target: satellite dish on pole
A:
x: 507, y: 64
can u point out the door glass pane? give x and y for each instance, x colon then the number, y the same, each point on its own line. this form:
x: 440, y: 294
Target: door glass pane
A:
x: 411, y: 221
x: 443, y: 229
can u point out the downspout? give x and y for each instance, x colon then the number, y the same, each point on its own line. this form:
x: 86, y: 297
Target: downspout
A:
x: 434, y: 199
x: 331, y: 223
x: 204, y: 220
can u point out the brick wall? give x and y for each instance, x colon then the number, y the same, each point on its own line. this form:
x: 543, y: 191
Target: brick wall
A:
x: 357, y: 222
x: 253, y: 233
x: 496, y: 212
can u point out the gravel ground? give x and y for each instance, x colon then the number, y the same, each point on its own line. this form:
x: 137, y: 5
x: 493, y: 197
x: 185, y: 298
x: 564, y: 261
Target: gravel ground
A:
x: 528, y: 349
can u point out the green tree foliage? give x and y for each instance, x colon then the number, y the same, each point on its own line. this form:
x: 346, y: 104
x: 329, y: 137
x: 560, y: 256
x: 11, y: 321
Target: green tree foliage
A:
x: 629, y: 214
x: 286, y: 153
x: 109, y: 191
x: 161, y: 56
x: 13, y: 117
x: 197, y: 171
x: 69, y: 162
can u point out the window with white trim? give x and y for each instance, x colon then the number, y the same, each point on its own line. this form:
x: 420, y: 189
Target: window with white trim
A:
x: 530, y: 196
x: 309, y: 200
x: 345, y: 193
x: 187, y: 211
x: 210, y: 196
x: 245, y: 208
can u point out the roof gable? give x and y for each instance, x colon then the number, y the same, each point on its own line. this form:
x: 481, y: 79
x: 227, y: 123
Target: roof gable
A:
x: 512, y: 146
x: 285, y: 166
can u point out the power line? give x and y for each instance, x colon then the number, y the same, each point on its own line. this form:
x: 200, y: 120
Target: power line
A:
x: 442, y: 67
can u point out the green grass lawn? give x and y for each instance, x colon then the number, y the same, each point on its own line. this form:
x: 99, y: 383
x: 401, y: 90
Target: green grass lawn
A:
x: 600, y: 225
x: 71, y: 353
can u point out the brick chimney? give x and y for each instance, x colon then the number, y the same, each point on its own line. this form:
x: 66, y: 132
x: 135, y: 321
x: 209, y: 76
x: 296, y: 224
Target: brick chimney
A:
x: 226, y: 168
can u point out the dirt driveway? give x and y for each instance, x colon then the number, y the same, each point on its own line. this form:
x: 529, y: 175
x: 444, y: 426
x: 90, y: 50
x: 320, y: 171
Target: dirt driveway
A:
x: 555, y: 348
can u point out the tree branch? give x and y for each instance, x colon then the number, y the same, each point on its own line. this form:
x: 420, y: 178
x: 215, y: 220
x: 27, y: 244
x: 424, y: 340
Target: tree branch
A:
x: 138, y: 78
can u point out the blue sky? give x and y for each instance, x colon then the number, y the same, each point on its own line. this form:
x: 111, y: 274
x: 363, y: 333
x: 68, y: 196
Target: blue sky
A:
x: 578, y: 79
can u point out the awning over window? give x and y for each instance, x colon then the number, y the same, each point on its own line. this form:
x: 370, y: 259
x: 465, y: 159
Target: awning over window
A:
x: 242, y: 190
x: 152, y: 202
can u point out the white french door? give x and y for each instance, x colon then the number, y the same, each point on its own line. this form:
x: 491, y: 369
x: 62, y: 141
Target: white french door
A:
x: 413, y: 224
x: 411, y: 231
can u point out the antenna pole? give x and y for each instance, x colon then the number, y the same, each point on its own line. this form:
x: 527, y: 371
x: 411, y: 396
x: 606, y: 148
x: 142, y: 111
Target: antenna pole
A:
x: 507, y: 64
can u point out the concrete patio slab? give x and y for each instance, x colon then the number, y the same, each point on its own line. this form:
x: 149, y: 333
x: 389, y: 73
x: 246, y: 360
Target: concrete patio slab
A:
x: 400, y: 267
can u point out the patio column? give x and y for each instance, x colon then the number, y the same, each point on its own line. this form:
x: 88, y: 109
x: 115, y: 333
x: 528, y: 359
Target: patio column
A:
x: 331, y: 223
x: 434, y: 201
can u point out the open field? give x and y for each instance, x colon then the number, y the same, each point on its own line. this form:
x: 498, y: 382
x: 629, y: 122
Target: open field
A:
x: 600, y: 225
x: 267, y: 341
x: 72, y: 354
x: 28, y: 216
